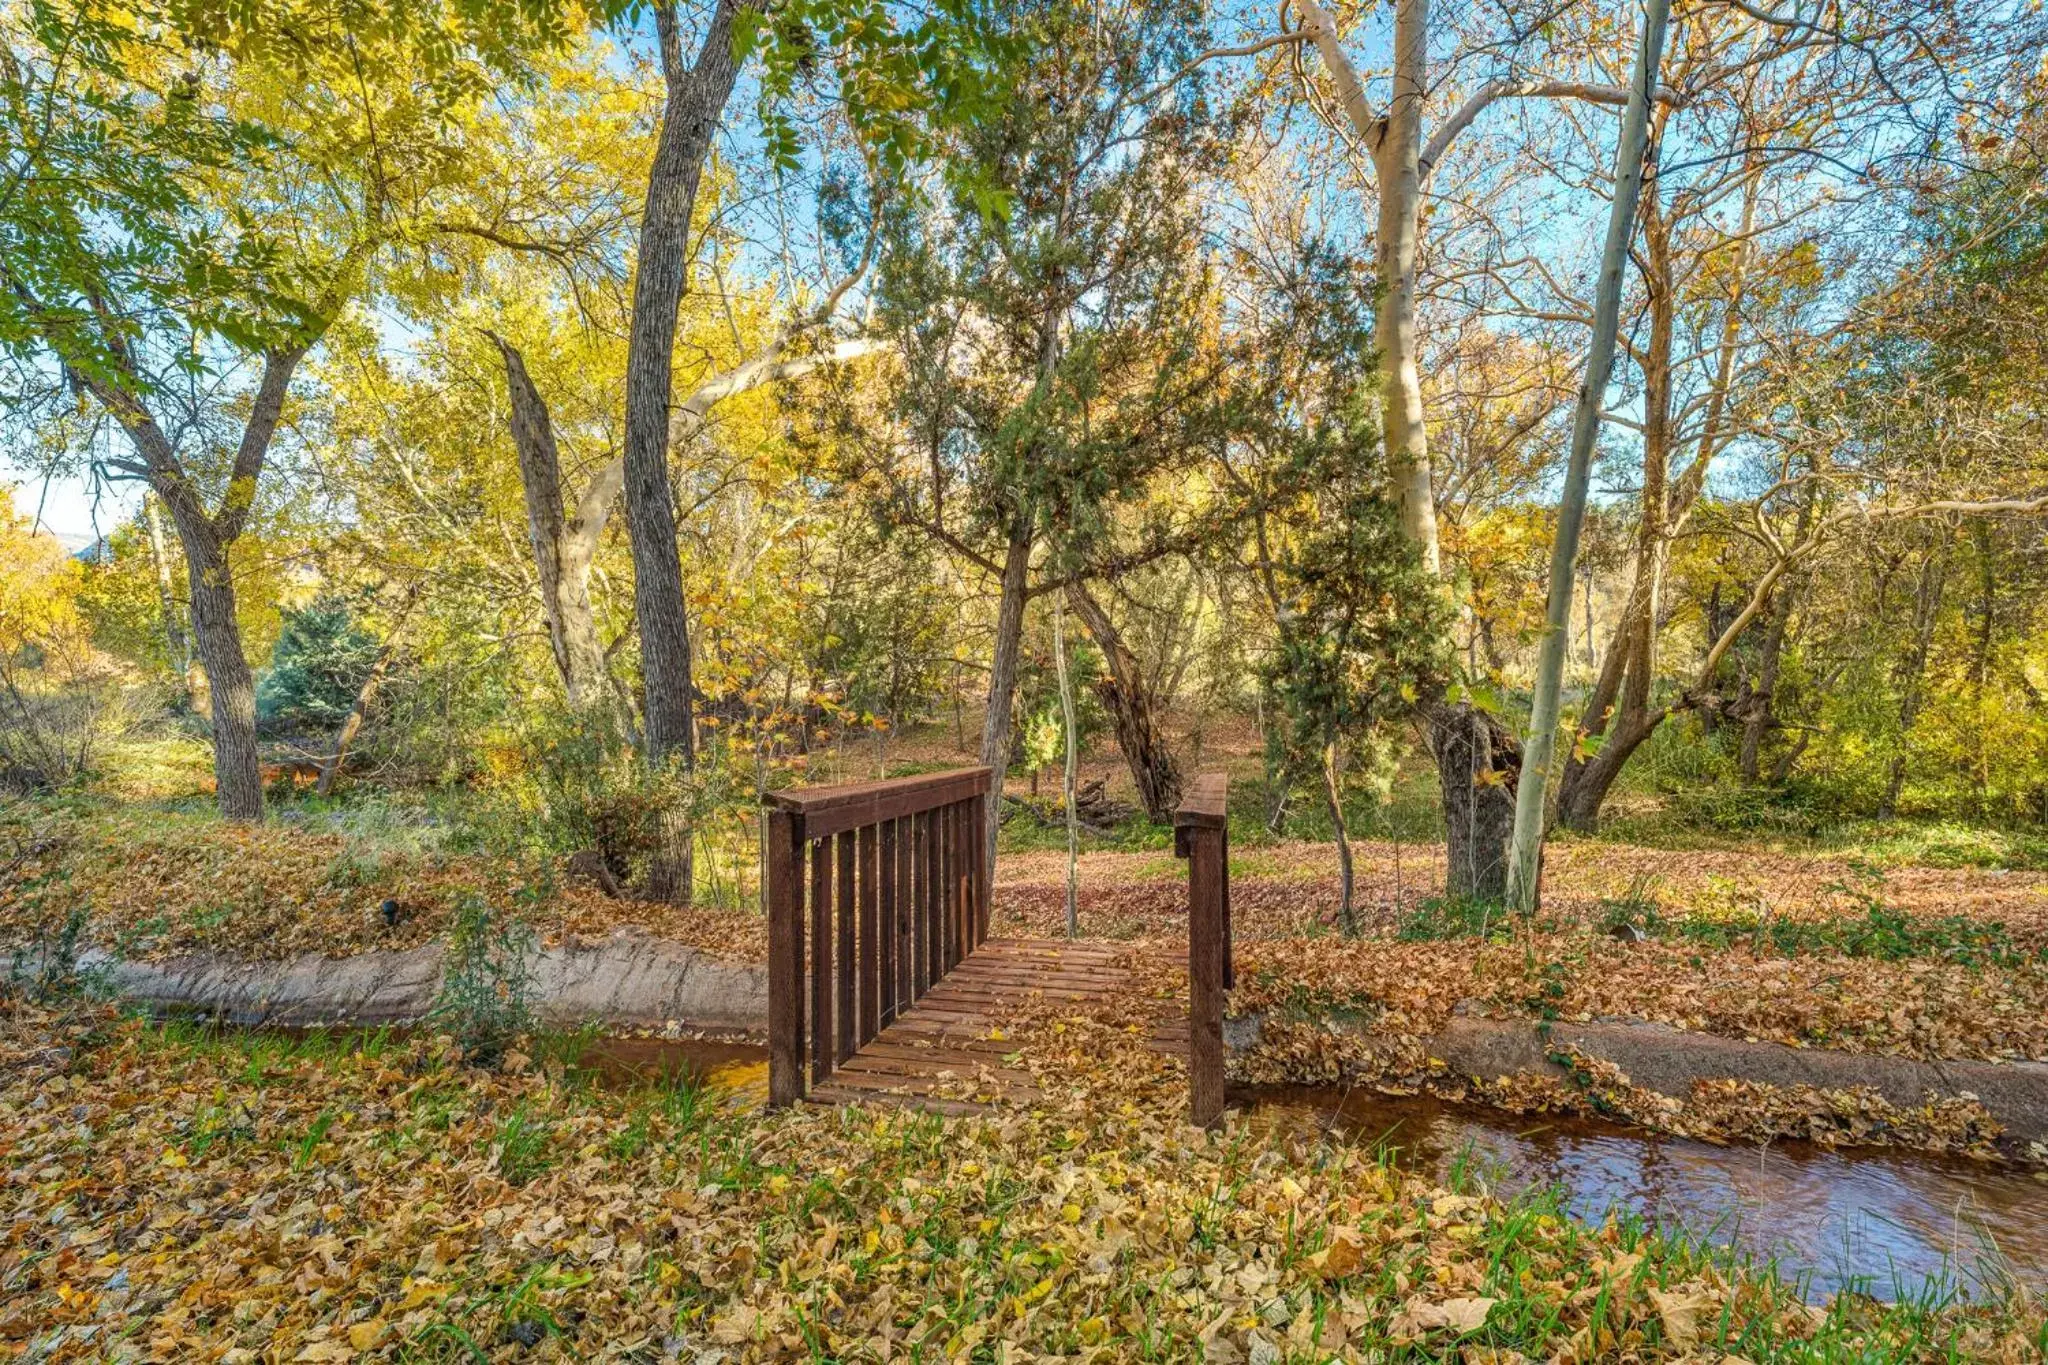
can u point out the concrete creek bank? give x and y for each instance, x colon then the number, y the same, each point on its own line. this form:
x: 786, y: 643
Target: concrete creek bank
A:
x: 637, y: 981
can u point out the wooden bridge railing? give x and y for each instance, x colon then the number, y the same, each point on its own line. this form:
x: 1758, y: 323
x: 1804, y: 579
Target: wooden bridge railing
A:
x: 1201, y: 834
x: 898, y: 895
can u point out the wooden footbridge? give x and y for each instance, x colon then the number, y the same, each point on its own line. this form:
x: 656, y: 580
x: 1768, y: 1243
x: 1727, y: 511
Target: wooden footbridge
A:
x: 884, y: 985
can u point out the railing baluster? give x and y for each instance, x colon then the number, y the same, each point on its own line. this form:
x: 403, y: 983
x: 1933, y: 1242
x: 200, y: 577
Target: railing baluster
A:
x: 822, y: 1052
x: 934, y: 932
x: 849, y: 966
x: 906, y: 912
x: 963, y: 882
x: 920, y: 978
x: 898, y: 893
x: 885, y: 965
x: 943, y: 816
x: 977, y: 833
x: 870, y: 950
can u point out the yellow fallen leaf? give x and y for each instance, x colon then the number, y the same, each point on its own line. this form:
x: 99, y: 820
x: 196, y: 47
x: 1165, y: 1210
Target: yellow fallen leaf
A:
x: 1419, y: 1317
x: 1343, y: 1256
x: 364, y: 1335
x: 1679, y: 1310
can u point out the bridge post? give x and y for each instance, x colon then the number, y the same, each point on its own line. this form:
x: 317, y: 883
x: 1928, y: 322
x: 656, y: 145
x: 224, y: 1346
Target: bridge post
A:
x: 783, y: 882
x: 1201, y: 834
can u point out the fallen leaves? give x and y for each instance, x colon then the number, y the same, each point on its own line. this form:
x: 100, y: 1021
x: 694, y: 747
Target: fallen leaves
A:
x: 1419, y: 1317
x: 1343, y: 1256
x: 670, y: 1224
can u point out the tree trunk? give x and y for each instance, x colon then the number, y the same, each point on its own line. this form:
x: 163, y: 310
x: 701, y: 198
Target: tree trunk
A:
x: 1395, y: 143
x: 206, y: 539
x: 696, y: 100
x: 1630, y: 162
x: 231, y: 687
x: 1333, y: 794
x: 1397, y: 166
x: 1580, y: 800
x: 1912, y: 674
x: 177, y: 649
x: 1652, y: 528
x: 1129, y: 701
x: 1069, y: 770
x: 1002, y: 673
x: 1757, y: 721
x: 562, y: 568
x: 1477, y: 763
x: 1980, y: 668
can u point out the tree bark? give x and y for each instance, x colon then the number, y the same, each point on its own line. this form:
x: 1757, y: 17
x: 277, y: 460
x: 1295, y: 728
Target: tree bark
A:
x: 177, y: 649
x: 1397, y: 166
x: 1128, y: 698
x: 206, y: 538
x: 696, y: 101
x: 1912, y: 675
x: 1333, y: 795
x: 1070, y: 763
x: 1477, y: 763
x: 1395, y: 143
x: 1002, y: 673
x: 1580, y: 800
x: 231, y: 688
x: 561, y: 566
x: 1757, y: 720
x: 1630, y: 162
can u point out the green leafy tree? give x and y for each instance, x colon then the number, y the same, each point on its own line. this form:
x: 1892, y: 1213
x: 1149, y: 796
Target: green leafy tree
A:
x: 1362, y: 633
x: 193, y: 196
x: 1056, y: 324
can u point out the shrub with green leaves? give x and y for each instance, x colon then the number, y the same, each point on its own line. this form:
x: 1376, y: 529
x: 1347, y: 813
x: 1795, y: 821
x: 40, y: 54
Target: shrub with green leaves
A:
x: 487, y: 990
x: 321, y: 658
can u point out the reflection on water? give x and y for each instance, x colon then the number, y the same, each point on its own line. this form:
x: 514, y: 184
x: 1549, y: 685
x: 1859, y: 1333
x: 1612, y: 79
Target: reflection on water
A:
x: 738, y: 1069
x: 1885, y: 1223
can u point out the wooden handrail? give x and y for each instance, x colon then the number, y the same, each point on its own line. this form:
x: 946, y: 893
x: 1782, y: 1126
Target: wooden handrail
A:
x: 1201, y: 834
x: 849, y: 805
x: 898, y: 894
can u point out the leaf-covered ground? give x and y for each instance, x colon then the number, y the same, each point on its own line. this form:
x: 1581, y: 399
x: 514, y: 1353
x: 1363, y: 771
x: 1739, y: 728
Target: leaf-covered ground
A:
x: 1931, y: 963
x: 1919, y: 962
x: 156, y: 883
x: 174, y: 1196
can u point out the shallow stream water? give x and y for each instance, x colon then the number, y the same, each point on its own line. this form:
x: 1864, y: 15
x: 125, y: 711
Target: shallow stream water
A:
x: 1880, y: 1222
x: 1889, y: 1224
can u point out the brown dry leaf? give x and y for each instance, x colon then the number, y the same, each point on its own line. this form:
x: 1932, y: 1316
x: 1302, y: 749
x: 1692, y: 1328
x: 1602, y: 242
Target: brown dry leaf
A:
x: 1342, y: 1257
x: 737, y: 1324
x: 1681, y: 1309
x: 1419, y: 1317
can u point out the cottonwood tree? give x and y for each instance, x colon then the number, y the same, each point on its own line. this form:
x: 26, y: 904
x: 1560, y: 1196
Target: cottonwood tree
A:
x: 187, y: 216
x: 1778, y: 129
x: 887, y: 74
x: 1399, y: 154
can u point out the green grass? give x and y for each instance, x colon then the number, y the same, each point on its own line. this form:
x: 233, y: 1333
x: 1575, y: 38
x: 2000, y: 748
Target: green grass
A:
x: 968, y: 1224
